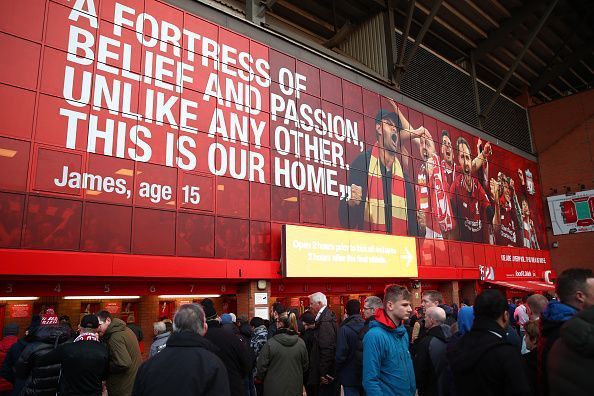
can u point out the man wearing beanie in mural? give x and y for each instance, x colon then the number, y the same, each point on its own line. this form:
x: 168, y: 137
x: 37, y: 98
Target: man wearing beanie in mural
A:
x: 84, y: 362
x: 236, y: 356
x: 378, y: 198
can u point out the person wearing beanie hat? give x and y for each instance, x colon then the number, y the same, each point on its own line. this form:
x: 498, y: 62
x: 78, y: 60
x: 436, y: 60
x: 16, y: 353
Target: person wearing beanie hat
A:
x: 235, y: 355
x: 228, y: 324
x: 209, y: 310
x: 346, y: 346
x: 38, y: 376
x: 226, y: 319
x: 83, y: 362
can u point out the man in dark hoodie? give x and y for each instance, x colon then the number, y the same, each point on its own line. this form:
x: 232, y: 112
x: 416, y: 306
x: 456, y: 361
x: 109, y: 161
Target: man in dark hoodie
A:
x: 322, y: 364
x: 482, y: 362
x: 236, y: 356
x: 575, y: 289
x: 346, y: 347
x: 188, y: 366
x: 429, y: 360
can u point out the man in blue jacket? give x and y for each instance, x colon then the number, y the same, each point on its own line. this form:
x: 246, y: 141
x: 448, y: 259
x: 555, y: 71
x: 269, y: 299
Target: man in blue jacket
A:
x: 346, y: 347
x: 387, y: 364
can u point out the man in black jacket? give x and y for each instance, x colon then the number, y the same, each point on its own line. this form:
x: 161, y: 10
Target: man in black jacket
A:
x: 346, y: 348
x: 188, y: 366
x: 482, y: 362
x: 322, y: 370
x: 41, y: 379
x: 85, y: 361
x: 236, y: 356
x: 429, y: 359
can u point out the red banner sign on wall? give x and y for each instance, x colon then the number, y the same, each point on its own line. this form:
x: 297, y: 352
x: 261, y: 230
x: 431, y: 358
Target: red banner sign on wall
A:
x: 20, y: 310
x: 170, y: 127
x: 112, y: 307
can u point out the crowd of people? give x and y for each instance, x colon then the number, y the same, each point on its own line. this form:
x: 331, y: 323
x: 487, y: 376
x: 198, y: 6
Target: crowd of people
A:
x: 532, y: 346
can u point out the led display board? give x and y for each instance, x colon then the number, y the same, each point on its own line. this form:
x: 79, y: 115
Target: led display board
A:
x: 318, y: 252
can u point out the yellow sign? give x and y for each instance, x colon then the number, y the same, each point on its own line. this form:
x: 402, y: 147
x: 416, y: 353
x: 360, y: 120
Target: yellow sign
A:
x: 319, y: 252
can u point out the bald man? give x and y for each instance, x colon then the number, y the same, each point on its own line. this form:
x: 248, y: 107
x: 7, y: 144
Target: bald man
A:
x: 429, y: 360
x: 536, y: 303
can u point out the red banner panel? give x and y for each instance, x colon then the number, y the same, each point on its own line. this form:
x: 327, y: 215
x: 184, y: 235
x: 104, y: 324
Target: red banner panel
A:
x: 140, y: 128
x: 20, y: 311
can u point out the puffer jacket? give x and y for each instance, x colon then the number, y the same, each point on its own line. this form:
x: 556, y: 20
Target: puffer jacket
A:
x: 571, y: 361
x: 41, y: 380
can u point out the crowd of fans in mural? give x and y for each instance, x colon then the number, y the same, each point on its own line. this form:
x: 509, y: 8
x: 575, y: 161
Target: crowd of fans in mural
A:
x: 538, y: 345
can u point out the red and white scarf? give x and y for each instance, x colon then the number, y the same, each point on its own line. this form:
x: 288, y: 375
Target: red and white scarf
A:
x: 375, y: 215
x: 87, y: 337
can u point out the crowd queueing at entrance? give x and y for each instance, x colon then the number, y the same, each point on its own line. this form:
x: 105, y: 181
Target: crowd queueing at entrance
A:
x: 532, y: 346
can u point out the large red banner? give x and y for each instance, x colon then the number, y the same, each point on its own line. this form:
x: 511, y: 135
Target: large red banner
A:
x: 135, y: 127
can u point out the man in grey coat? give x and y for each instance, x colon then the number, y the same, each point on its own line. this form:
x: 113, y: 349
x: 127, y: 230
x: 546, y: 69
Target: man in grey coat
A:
x: 160, y: 340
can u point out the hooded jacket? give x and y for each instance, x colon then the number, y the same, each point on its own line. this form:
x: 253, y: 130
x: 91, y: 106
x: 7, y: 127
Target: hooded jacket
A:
x: 188, y: 366
x: 483, y: 363
x: 346, y: 348
x: 551, y: 320
x: 387, y: 365
x: 281, y: 364
x: 430, y: 360
x: 124, y: 358
x: 571, y: 362
x: 41, y: 379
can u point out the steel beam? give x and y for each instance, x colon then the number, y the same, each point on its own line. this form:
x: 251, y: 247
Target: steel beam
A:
x: 401, y: 68
x: 497, y: 37
x: 551, y: 6
x: 253, y: 11
x: 342, y: 34
x: 560, y: 68
x: 406, y: 32
x: 390, y: 38
x: 477, y: 100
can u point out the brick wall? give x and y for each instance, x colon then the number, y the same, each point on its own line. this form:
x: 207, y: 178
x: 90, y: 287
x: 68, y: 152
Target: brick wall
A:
x: 563, y: 133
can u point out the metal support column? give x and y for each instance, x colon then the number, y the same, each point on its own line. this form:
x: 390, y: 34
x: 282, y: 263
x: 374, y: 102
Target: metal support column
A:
x: 401, y: 68
x: 477, y: 99
x: 390, y: 38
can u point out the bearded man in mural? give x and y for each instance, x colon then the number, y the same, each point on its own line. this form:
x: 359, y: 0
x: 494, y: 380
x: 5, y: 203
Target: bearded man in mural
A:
x: 508, y: 230
x: 474, y: 209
